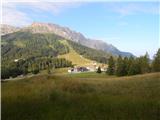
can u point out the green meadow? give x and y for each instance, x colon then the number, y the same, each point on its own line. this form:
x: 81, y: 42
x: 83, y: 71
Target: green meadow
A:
x: 83, y: 96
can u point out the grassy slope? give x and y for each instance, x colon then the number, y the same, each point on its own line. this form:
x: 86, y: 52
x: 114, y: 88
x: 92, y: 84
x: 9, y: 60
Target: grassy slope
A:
x: 86, y: 96
x: 74, y: 56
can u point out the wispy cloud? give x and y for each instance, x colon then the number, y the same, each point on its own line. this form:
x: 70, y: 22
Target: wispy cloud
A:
x: 52, y: 7
x: 131, y: 8
x: 13, y: 15
x: 108, y: 39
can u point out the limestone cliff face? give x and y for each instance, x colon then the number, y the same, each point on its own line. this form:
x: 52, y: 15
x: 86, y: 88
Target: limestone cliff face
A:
x: 53, y: 28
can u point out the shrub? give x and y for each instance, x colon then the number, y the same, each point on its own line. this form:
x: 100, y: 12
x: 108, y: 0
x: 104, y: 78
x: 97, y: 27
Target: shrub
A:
x: 99, y: 70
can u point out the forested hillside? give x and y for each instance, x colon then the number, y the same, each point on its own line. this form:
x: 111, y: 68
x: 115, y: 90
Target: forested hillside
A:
x: 25, y: 45
x: 25, y: 52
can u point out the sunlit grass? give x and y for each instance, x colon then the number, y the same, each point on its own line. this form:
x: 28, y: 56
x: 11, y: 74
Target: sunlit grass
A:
x: 59, y: 97
x: 74, y: 56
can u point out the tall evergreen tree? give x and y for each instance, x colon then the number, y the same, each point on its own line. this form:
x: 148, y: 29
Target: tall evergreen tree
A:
x: 130, y: 61
x: 111, y: 66
x: 156, y: 62
x: 119, y: 66
x: 144, y: 63
x: 125, y: 66
x: 134, y: 67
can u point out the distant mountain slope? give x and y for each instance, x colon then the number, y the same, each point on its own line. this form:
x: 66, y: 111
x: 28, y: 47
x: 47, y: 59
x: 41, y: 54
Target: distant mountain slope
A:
x: 90, y: 53
x: 76, y: 37
x: 66, y: 33
x: 23, y: 45
x: 100, y: 45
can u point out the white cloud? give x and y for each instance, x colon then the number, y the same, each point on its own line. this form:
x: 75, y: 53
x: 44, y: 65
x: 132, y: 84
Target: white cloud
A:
x: 52, y: 7
x: 130, y: 8
x: 13, y: 16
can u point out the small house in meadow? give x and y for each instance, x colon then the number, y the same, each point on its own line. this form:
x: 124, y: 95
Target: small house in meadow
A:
x: 78, y: 69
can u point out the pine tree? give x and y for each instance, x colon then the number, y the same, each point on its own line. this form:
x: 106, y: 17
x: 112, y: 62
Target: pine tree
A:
x: 99, y: 70
x: 130, y: 62
x: 111, y: 66
x: 134, y: 67
x: 144, y: 63
x: 125, y: 66
x: 119, y: 66
x: 156, y: 62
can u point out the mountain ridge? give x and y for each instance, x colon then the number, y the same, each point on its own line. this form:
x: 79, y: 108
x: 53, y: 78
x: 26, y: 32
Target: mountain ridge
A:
x: 6, y: 29
x: 67, y: 33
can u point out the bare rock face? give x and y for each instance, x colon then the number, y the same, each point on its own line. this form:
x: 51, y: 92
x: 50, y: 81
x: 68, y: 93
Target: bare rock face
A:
x: 6, y: 29
x: 56, y: 29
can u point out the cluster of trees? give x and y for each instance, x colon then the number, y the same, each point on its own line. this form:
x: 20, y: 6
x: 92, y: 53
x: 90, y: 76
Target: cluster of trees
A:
x: 32, y: 65
x: 132, y: 66
x: 156, y: 62
x: 93, y: 54
x: 12, y: 71
x: 46, y: 63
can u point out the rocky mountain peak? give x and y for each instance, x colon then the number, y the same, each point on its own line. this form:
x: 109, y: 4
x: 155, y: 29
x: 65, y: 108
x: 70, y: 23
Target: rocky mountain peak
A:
x: 65, y: 32
x: 6, y: 29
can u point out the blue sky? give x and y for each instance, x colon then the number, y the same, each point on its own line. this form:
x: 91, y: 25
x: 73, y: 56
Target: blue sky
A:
x: 130, y: 26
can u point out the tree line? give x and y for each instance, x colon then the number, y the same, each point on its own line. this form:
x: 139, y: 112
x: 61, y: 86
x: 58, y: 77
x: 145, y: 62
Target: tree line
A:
x: 32, y: 65
x: 132, y: 66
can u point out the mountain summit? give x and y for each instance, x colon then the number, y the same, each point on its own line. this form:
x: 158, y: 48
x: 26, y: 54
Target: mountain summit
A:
x: 6, y: 29
x: 65, y: 32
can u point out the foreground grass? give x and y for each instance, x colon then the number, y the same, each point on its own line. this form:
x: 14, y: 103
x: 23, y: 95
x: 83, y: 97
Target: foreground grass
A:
x: 78, y: 97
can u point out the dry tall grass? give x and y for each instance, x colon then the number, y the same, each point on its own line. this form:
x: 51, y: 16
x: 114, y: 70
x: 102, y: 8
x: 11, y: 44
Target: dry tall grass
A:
x: 71, y: 98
